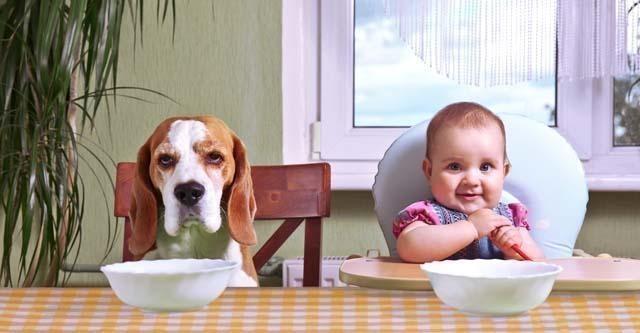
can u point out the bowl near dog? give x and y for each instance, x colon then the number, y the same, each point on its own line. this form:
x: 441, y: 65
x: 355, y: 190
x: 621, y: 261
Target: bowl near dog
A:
x: 171, y: 284
x: 491, y: 287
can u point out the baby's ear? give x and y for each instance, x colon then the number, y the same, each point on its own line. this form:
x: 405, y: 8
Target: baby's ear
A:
x: 427, y: 168
x: 507, y: 167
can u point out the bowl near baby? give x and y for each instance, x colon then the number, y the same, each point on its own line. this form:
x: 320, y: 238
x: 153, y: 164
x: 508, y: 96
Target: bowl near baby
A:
x: 171, y: 284
x: 491, y: 287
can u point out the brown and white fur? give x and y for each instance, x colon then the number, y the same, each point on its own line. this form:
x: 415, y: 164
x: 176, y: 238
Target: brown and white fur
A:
x: 194, y: 173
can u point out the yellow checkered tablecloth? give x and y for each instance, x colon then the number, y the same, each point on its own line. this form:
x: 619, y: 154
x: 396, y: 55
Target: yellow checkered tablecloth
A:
x: 309, y: 309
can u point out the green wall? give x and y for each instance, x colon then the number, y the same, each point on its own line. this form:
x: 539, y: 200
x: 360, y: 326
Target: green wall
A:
x: 612, y: 224
x: 227, y: 63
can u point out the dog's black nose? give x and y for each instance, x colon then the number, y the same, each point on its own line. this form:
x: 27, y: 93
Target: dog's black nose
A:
x: 189, y: 193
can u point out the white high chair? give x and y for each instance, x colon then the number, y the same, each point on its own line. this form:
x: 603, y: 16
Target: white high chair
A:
x: 546, y: 176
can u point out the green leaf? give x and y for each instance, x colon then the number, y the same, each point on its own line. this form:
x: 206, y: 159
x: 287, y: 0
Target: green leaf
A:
x: 45, y: 47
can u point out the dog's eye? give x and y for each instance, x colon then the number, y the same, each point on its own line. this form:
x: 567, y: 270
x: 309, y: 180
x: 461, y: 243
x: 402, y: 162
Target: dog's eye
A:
x: 214, y: 158
x: 165, y: 161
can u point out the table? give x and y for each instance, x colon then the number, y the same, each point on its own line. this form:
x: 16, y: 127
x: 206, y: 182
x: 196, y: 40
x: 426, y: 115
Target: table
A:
x: 578, y: 274
x: 309, y: 309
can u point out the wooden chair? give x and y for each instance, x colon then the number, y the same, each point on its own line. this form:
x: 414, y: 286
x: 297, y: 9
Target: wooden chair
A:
x: 293, y: 193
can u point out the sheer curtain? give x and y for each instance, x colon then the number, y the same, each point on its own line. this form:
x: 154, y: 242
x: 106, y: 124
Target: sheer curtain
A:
x: 492, y: 42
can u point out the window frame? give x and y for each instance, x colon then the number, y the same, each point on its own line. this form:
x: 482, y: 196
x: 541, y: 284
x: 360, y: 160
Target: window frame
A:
x: 317, y: 91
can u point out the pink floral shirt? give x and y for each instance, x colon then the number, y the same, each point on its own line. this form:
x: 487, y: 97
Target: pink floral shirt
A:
x: 431, y: 212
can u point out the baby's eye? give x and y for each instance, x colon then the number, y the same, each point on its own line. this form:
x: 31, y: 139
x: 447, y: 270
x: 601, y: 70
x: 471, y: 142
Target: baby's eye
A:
x: 485, y: 167
x: 453, y: 166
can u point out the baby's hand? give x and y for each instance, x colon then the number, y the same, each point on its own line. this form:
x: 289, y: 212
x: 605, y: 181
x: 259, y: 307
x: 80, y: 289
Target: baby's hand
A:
x: 485, y: 221
x: 506, y: 237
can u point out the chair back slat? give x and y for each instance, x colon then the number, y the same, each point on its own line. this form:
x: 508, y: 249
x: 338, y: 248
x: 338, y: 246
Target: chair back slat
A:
x: 124, y: 183
x: 291, y: 191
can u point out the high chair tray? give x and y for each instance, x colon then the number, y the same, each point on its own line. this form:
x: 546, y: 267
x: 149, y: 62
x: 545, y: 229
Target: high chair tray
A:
x: 585, y: 274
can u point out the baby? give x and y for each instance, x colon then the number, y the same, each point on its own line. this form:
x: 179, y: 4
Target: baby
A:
x: 466, y: 163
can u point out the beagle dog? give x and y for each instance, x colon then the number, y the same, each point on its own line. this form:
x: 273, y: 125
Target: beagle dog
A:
x: 193, y: 175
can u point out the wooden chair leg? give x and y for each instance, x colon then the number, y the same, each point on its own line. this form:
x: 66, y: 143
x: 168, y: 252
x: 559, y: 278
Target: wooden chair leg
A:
x: 274, y: 242
x: 312, y: 252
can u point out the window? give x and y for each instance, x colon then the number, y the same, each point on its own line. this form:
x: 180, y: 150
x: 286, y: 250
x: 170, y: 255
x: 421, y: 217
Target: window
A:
x: 319, y: 122
x: 393, y: 87
x: 626, y: 108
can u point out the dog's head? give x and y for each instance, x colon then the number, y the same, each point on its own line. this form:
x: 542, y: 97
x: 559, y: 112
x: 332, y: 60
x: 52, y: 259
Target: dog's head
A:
x: 194, y: 167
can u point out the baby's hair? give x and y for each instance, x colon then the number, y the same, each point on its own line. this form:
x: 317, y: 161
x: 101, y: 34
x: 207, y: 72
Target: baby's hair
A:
x: 465, y: 115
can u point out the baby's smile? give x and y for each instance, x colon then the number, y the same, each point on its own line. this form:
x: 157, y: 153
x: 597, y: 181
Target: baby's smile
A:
x: 469, y: 196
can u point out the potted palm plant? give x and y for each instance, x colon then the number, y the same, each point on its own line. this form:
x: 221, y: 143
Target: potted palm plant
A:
x: 58, y: 62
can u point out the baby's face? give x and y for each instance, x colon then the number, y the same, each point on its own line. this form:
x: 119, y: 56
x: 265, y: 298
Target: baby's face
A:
x: 466, y: 167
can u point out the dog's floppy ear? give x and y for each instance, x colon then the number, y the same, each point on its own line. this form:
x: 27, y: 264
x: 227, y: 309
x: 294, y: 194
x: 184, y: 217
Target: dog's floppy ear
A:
x: 241, y: 206
x: 144, y: 206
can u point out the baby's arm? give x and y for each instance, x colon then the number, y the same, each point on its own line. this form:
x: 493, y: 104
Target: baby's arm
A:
x: 529, y: 246
x: 420, y: 242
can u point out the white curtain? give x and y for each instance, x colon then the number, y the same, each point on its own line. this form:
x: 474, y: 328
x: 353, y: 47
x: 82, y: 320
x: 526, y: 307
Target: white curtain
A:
x: 495, y: 42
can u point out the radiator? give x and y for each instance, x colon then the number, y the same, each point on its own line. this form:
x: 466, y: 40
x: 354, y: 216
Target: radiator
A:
x: 292, y: 271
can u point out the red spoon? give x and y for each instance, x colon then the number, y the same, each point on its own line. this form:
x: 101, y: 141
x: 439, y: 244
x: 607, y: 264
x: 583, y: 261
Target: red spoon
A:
x: 524, y: 256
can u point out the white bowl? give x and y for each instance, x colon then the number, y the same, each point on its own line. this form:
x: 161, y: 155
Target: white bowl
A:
x: 491, y: 287
x: 169, y: 285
